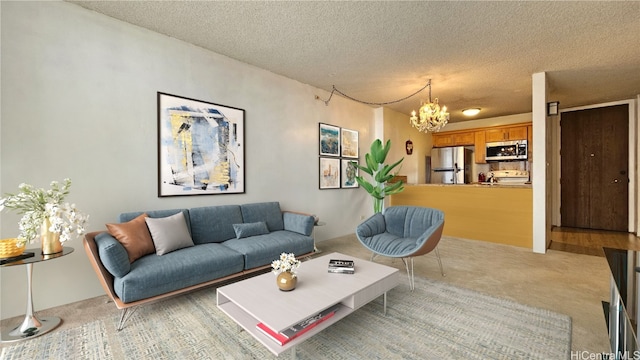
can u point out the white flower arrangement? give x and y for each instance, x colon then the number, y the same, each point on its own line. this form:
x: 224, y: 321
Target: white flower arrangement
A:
x: 287, y: 262
x: 36, y: 205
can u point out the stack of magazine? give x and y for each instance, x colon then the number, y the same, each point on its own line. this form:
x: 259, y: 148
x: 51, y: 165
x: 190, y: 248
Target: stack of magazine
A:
x: 300, y: 328
x: 341, y: 266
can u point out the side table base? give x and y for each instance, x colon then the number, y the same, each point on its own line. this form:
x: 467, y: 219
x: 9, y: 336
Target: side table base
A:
x: 30, y: 328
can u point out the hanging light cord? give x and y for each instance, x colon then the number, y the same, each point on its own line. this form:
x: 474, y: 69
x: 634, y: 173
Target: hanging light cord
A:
x: 335, y: 90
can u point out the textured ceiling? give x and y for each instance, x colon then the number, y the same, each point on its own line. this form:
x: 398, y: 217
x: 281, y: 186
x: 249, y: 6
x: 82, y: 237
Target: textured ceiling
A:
x: 478, y: 54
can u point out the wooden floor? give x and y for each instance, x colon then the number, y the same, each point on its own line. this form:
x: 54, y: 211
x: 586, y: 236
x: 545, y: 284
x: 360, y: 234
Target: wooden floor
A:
x: 591, y: 242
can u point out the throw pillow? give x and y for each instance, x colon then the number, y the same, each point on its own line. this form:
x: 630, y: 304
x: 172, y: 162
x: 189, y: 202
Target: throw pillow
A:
x: 250, y: 229
x: 134, y: 236
x: 112, y: 254
x: 169, y: 233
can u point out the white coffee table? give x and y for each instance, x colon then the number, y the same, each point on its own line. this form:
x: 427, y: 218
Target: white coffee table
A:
x: 258, y: 299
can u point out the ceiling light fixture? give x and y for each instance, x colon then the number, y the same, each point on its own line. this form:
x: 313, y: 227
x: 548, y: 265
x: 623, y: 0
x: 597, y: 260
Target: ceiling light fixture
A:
x: 471, y: 112
x: 431, y: 117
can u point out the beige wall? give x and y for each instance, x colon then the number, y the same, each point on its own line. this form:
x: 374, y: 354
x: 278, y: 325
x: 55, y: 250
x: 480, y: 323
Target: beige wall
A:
x: 79, y: 101
x: 398, y: 130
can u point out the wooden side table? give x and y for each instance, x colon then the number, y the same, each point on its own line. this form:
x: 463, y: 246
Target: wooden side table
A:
x: 32, y: 326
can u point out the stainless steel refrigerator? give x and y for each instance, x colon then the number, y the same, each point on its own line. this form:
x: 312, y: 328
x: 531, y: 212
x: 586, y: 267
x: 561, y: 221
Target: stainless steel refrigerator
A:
x: 451, y: 165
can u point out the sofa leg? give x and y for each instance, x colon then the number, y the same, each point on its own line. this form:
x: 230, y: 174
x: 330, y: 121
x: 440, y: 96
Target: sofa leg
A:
x: 126, y: 314
x: 439, y: 261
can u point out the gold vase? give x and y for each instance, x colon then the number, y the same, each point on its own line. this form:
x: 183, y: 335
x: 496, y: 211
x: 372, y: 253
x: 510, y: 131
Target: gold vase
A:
x: 286, y: 281
x: 50, y: 241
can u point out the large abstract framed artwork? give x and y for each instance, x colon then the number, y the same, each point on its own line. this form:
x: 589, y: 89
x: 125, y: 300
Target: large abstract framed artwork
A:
x: 329, y: 140
x: 349, y: 173
x: 200, y: 147
x: 349, y: 143
x: 329, y: 173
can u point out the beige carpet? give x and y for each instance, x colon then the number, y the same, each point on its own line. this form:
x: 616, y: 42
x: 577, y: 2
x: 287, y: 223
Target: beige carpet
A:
x: 562, y: 282
x: 436, y: 320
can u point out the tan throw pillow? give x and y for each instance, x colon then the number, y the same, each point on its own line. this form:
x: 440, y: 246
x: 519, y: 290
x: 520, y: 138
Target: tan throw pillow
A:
x: 134, y: 236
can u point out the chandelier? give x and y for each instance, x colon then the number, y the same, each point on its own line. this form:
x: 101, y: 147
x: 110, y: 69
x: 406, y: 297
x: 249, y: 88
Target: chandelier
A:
x: 430, y: 117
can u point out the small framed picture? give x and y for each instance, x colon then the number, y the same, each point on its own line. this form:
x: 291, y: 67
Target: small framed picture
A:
x: 329, y: 174
x: 329, y: 140
x: 349, y: 143
x: 348, y: 174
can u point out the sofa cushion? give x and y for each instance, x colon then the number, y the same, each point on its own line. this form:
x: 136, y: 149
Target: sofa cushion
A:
x: 156, y: 275
x: 134, y: 236
x: 113, y: 255
x: 261, y: 250
x: 157, y: 214
x: 268, y: 212
x: 300, y: 223
x: 169, y: 233
x: 214, y: 223
x: 250, y: 229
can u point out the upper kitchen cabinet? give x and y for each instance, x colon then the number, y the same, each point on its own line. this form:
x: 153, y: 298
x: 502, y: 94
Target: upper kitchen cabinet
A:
x: 453, y: 139
x: 480, y: 147
x: 506, y: 133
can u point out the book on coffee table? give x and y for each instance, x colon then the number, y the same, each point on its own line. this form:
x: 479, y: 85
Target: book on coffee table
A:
x: 298, y: 329
x: 341, y: 266
x: 310, y: 322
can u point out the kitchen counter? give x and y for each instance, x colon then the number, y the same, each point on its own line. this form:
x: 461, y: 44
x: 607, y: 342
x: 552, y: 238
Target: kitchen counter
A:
x: 494, y: 213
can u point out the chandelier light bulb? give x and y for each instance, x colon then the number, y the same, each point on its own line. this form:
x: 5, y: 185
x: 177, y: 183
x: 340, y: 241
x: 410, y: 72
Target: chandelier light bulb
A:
x: 431, y: 117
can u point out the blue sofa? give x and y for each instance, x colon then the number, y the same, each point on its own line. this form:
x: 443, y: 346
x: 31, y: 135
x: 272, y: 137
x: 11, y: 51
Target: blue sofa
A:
x: 228, y: 241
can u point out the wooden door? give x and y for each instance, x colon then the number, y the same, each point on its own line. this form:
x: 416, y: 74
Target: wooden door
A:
x: 594, y: 168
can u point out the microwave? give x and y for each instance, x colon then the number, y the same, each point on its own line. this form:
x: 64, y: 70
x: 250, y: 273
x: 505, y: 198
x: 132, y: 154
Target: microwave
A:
x: 507, y: 150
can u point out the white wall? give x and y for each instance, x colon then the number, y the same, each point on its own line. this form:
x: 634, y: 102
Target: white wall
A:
x: 79, y: 101
x: 541, y: 178
x: 398, y: 129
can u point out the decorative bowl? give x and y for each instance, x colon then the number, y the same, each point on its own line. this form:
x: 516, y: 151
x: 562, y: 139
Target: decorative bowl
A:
x: 8, y: 248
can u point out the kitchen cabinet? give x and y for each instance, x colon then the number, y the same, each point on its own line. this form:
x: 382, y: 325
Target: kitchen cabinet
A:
x: 479, y: 137
x: 453, y: 139
x: 506, y: 133
x: 466, y: 138
x: 480, y: 147
x: 442, y: 140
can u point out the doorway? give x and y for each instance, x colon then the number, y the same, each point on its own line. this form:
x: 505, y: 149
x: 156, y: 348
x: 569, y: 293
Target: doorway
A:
x: 594, y: 174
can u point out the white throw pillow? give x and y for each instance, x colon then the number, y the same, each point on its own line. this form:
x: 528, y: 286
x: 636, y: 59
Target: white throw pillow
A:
x: 169, y: 233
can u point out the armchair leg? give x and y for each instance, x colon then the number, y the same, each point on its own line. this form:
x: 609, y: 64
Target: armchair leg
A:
x: 439, y: 261
x: 412, y: 282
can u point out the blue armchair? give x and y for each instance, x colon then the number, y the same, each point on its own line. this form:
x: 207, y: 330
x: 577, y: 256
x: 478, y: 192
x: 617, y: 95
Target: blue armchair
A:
x: 403, y: 232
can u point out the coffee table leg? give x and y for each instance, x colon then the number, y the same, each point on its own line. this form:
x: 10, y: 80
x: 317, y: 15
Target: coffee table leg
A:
x: 293, y: 353
x: 385, y: 302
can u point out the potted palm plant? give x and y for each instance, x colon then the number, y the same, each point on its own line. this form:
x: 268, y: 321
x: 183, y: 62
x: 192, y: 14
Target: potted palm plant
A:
x: 380, y: 174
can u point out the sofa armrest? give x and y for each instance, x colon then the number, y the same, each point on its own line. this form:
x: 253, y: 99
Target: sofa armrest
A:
x: 106, y: 279
x: 298, y: 222
x: 372, y: 226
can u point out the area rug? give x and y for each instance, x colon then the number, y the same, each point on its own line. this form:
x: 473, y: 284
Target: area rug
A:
x: 437, y: 320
